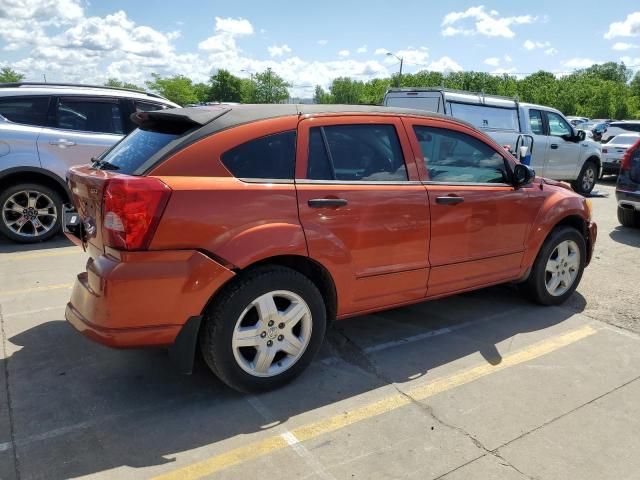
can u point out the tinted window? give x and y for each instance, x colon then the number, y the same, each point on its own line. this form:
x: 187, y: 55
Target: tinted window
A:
x: 535, y: 121
x: 455, y: 157
x: 89, y: 116
x: 558, y: 127
x: 135, y: 149
x: 484, y: 116
x: 268, y: 157
x: 148, y: 106
x: 356, y: 153
x: 25, y: 110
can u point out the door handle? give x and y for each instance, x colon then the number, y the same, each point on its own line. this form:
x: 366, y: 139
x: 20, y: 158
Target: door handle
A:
x: 62, y: 142
x: 449, y: 200
x: 327, y: 202
x: 554, y: 146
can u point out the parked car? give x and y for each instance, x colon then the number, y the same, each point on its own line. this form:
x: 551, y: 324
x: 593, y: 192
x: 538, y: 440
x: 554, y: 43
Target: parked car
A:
x: 558, y: 151
x: 575, y: 121
x: 246, y: 229
x: 616, y: 128
x: 628, y: 187
x: 613, y: 152
x: 46, y: 128
x: 595, y: 130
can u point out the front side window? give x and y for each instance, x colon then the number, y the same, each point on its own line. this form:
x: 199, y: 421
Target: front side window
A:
x: 455, y: 157
x: 270, y: 157
x: 355, y: 153
x: 25, y: 110
x: 89, y: 116
x: 558, y: 127
x: 535, y: 121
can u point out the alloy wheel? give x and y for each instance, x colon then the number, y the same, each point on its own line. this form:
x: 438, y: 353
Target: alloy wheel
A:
x: 562, y: 268
x: 588, y: 179
x: 29, y: 213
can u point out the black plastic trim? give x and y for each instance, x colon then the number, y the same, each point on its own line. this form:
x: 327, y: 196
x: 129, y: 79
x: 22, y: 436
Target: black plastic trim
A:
x: 183, y: 351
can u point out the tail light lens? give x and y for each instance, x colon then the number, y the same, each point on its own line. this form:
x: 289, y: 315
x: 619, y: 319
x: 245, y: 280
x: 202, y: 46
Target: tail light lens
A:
x: 131, y: 210
x: 626, y: 160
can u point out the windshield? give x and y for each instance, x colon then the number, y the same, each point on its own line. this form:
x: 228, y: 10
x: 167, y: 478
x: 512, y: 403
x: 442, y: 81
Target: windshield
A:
x: 135, y: 149
x: 624, y: 140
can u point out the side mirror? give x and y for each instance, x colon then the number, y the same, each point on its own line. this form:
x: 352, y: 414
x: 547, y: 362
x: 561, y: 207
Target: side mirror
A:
x: 523, y: 175
x: 581, y: 135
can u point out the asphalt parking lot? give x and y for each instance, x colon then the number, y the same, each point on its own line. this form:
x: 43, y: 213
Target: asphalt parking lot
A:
x: 483, y: 385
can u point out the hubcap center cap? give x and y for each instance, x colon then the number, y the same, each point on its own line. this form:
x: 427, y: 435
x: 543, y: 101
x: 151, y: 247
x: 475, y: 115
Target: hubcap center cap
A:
x: 272, y: 332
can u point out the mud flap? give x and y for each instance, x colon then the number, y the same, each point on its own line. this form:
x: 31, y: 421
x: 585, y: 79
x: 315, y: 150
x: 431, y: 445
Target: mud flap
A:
x: 182, y: 352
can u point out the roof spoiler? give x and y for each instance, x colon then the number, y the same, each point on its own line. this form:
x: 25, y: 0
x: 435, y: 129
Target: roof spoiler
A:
x: 176, y: 120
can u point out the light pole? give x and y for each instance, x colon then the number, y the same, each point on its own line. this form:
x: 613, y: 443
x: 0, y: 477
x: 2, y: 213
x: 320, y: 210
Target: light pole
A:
x: 389, y: 54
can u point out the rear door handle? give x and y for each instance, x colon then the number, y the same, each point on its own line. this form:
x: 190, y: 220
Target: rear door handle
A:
x: 554, y: 146
x: 327, y: 202
x: 62, y: 142
x: 449, y: 200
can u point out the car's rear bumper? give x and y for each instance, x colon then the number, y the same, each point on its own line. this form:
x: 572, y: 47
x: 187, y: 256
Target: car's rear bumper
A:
x: 141, y: 299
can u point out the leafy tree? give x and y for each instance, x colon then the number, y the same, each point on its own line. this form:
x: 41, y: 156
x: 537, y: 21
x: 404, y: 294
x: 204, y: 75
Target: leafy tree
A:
x: 269, y: 87
x: 114, y: 82
x: 178, y: 89
x: 8, y: 75
x: 321, y: 96
x: 225, y: 87
x: 202, y: 92
x: 248, y: 90
x: 346, y: 91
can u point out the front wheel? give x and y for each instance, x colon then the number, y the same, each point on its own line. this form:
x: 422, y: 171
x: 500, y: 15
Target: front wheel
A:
x: 558, y: 267
x: 587, y: 178
x: 263, y: 329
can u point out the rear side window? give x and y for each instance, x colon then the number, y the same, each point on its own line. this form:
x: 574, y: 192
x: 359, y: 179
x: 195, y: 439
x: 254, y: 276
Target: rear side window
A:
x: 89, y: 116
x: 485, y: 116
x: 369, y: 153
x: 135, y: 149
x: 148, y: 106
x: 535, y: 121
x: 455, y: 157
x: 270, y: 157
x: 25, y: 110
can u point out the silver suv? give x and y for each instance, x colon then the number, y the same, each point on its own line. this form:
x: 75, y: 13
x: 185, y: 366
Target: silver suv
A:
x: 44, y: 129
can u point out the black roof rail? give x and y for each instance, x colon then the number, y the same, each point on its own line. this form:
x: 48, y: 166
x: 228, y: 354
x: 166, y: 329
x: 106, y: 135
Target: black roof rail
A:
x: 78, y: 85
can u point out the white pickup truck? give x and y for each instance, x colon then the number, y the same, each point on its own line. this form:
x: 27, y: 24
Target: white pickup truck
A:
x: 555, y: 148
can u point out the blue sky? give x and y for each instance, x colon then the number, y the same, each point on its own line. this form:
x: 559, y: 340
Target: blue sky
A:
x: 310, y: 42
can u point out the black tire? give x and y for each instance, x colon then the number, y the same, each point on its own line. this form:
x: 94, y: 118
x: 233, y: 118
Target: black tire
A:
x: 535, y: 286
x: 55, y: 227
x: 628, y: 217
x: 223, y: 313
x: 581, y: 185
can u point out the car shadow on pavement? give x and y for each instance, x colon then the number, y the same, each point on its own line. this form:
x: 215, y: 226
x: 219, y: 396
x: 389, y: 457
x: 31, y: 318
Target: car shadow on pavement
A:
x: 8, y: 246
x: 626, y: 235
x: 78, y: 408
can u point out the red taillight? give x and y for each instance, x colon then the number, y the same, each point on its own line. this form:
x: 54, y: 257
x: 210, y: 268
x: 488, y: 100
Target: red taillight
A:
x: 131, y: 209
x: 626, y: 160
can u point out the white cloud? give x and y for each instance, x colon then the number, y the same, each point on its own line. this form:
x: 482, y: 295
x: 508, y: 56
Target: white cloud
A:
x: 507, y: 58
x: 344, y: 53
x: 279, y: 51
x: 624, y: 46
x: 493, y: 61
x: 629, y: 27
x: 531, y: 45
x: 226, y: 32
x: 503, y: 71
x: 476, y: 20
x: 444, y: 64
x: 550, y: 51
x: 362, y: 49
x: 380, y: 51
x: 579, y: 63
x: 234, y: 26
x: 322, y: 42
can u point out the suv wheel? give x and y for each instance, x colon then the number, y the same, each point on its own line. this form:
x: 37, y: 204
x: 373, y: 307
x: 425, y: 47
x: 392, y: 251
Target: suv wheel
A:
x: 263, y: 329
x: 558, y: 267
x: 30, y: 213
x: 587, y: 178
x: 628, y: 217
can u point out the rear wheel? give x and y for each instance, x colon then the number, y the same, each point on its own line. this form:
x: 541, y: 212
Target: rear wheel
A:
x: 628, y: 217
x: 587, y: 178
x: 558, y: 267
x: 263, y: 329
x: 30, y: 213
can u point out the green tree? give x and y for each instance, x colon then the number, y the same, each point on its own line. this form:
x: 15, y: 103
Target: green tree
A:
x: 269, y: 87
x: 346, y: 91
x: 8, y: 75
x: 248, y: 90
x: 114, y: 82
x: 202, y: 92
x: 321, y: 96
x: 225, y: 87
x: 178, y: 89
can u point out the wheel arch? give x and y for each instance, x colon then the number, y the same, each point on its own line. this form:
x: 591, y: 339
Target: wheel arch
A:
x: 40, y: 176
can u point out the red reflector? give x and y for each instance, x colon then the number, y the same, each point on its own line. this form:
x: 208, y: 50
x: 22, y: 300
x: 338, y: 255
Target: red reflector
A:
x: 132, y: 207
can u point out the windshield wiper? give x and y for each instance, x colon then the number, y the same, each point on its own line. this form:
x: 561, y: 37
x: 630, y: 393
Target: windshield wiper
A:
x: 103, y: 164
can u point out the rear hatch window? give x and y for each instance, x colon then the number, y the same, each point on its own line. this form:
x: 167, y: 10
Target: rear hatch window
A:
x: 134, y: 150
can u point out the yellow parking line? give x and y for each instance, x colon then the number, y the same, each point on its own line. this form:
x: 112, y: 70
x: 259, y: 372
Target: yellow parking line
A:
x: 387, y: 404
x: 10, y: 293
x: 32, y: 256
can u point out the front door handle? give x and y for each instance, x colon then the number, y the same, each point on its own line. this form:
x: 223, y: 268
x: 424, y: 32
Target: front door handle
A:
x: 554, y: 146
x: 449, y: 200
x: 327, y: 202
x: 62, y: 142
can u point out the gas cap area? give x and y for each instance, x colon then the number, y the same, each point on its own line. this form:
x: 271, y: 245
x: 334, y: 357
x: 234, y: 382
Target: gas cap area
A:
x: 4, y: 148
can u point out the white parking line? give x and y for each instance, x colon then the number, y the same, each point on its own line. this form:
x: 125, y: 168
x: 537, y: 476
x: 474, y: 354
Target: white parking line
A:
x: 31, y: 312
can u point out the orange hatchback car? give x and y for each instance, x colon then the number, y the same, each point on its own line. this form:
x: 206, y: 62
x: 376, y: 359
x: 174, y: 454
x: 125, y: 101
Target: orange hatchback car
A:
x: 245, y: 230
